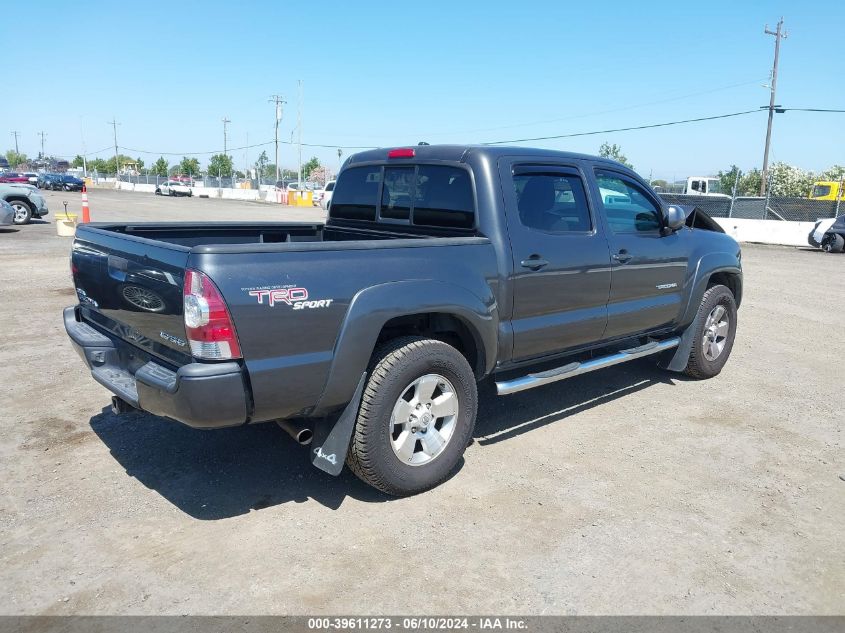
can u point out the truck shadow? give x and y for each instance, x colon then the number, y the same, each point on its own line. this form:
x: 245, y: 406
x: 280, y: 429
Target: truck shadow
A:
x: 502, y: 418
x: 223, y: 473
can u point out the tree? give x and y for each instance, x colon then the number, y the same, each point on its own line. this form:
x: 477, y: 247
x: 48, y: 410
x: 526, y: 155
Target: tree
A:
x: 788, y: 180
x: 614, y: 152
x: 749, y: 184
x: 659, y: 183
x: 310, y: 166
x: 261, y: 166
x: 160, y: 167
x: 728, y: 179
x: 15, y: 158
x: 835, y: 173
x: 220, y: 165
x: 188, y: 167
x: 77, y: 161
x: 321, y: 175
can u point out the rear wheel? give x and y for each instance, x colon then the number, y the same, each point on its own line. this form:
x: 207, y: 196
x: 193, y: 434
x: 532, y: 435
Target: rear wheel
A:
x: 416, y: 418
x: 23, y: 211
x: 715, y: 326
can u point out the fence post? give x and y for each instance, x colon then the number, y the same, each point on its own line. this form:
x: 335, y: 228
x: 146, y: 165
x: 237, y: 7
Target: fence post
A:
x: 839, y: 196
x: 768, y: 195
x: 733, y: 194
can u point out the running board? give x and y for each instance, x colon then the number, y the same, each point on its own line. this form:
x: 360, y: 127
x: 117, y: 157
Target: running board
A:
x: 507, y: 387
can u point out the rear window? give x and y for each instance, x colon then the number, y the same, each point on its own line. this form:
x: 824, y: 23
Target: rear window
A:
x: 422, y: 195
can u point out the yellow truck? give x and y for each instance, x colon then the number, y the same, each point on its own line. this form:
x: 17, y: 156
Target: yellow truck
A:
x: 826, y: 190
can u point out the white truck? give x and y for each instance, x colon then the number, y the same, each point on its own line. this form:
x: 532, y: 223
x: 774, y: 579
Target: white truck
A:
x: 704, y: 186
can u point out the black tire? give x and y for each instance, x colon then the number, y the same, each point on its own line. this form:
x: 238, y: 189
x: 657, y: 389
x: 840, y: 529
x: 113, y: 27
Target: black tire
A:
x: 394, y: 367
x: 699, y: 365
x: 833, y: 243
x: 23, y: 212
x: 158, y: 191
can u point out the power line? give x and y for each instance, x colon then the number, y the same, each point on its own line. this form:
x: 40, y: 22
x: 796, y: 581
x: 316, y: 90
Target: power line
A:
x: 807, y: 110
x: 621, y: 129
x: 519, y: 140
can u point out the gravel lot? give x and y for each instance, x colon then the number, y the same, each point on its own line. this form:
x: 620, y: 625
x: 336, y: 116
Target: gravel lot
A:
x: 627, y: 491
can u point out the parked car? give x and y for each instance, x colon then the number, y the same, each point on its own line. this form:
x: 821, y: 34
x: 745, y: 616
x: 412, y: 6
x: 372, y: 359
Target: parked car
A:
x: 438, y: 266
x: 829, y: 235
x: 27, y: 201
x: 65, y: 182
x: 327, y: 195
x: 173, y: 188
x: 7, y: 213
x: 44, y: 180
x: 32, y: 178
x: 13, y: 176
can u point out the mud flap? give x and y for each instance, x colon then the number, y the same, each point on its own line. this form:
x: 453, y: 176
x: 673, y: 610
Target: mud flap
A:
x: 678, y: 360
x: 331, y: 438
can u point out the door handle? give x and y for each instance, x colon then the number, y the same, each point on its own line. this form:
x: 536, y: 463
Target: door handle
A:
x: 623, y: 256
x: 534, y: 263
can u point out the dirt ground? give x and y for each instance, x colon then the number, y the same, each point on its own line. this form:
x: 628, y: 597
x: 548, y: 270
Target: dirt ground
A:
x: 628, y: 491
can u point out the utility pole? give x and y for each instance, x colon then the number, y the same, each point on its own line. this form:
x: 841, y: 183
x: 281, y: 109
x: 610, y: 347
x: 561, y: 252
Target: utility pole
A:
x: 779, y: 34
x: 226, y: 122
x: 43, y: 135
x: 278, y: 100
x: 114, y: 125
x: 15, y: 134
x: 299, y: 129
x: 339, y: 154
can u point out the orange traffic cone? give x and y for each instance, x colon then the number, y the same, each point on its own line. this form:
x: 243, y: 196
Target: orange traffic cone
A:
x: 86, y: 212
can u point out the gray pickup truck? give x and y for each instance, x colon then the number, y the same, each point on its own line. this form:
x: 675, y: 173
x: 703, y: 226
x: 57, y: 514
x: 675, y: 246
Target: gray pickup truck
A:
x: 438, y: 267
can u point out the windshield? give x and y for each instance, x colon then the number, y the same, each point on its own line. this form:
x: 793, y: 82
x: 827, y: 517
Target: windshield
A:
x: 820, y: 191
x: 714, y: 186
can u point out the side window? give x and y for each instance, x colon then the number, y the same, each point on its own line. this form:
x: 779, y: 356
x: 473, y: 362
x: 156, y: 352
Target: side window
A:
x: 356, y: 194
x: 443, y: 197
x: 397, y: 192
x: 627, y: 207
x: 552, y: 202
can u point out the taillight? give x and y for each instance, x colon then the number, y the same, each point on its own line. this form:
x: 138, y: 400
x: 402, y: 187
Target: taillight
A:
x: 403, y: 152
x: 208, y: 325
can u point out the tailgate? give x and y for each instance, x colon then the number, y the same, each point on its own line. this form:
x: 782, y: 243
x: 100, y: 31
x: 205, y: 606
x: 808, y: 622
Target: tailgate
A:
x: 132, y: 287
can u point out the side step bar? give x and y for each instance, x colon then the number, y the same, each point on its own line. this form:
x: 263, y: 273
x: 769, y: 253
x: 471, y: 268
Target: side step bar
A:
x: 507, y: 387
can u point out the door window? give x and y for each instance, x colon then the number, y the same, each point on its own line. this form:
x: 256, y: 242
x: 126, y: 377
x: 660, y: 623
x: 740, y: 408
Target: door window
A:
x: 550, y: 202
x: 627, y: 207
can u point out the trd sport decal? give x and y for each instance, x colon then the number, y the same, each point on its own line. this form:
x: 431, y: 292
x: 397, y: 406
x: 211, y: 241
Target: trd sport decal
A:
x: 297, y: 298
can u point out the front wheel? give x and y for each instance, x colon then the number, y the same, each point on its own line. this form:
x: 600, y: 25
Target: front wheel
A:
x: 416, y: 417
x: 833, y: 243
x: 23, y: 212
x: 715, y: 325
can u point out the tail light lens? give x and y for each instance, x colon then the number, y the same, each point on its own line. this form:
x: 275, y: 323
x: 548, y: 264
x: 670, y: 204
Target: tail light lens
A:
x: 208, y: 325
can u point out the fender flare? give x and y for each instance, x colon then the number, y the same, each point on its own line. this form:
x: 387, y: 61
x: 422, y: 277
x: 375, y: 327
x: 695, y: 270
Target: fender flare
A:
x: 706, y: 267
x: 372, y: 307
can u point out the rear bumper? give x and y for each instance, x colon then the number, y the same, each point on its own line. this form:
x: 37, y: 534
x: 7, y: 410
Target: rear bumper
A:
x: 201, y: 395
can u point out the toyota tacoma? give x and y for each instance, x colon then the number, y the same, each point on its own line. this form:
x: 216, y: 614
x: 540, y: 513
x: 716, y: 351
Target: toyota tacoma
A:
x: 437, y: 267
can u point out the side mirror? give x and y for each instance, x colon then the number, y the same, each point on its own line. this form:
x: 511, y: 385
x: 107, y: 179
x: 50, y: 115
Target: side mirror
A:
x: 675, y: 218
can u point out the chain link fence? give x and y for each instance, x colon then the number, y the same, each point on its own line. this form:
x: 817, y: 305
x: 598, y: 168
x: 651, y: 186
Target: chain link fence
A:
x: 754, y: 208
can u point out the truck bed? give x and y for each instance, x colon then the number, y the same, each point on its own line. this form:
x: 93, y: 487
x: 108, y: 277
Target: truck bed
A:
x: 190, y: 235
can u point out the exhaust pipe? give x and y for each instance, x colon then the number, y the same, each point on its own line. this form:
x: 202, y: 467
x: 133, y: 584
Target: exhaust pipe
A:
x: 119, y: 406
x: 298, y: 431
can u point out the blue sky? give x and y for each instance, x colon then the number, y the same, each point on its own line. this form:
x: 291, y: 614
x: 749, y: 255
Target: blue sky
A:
x: 394, y: 73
